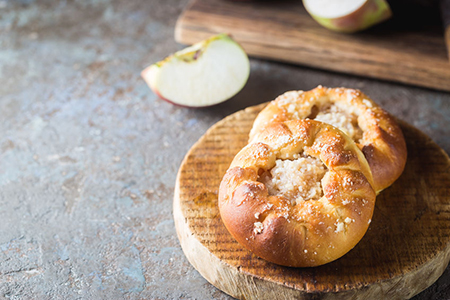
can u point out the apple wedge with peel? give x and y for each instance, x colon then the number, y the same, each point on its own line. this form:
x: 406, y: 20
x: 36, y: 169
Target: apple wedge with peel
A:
x: 203, y: 74
x: 348, y: 15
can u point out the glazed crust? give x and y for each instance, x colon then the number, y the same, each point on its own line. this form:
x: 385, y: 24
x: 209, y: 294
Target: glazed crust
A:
x: 382, y: 142
x: 306, y: 233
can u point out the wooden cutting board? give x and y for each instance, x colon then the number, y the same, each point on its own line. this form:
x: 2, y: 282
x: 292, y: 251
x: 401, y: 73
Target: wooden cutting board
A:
x: 405, y: 250
x: 399, y: 50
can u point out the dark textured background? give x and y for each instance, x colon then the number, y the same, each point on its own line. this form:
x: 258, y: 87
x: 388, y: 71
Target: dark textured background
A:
x: 89, y: 155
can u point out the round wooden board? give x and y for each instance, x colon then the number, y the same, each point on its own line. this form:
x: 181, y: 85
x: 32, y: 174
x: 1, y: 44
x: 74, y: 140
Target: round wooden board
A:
x: 405, y: 250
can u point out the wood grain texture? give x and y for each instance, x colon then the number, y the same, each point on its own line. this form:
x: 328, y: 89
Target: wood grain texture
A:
x: 405, y: 250
x: 445, y: 12
x: 283, y: 31
x: 447, y: 39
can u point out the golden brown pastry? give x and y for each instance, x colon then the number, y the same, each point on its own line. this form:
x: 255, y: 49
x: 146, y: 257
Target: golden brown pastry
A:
x: 372, y: 128
x: 300, y: 194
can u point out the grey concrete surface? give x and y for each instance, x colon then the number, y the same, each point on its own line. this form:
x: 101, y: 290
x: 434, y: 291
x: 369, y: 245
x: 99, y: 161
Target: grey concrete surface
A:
x: 89, y: 155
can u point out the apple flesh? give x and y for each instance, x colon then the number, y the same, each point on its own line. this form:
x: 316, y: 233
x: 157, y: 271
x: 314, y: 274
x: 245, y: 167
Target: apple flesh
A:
x: 348, y: 15
x: 204, y: 74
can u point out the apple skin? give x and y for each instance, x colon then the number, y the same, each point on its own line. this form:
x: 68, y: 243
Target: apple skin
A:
x: 190, y: 55
x: 369, y: 14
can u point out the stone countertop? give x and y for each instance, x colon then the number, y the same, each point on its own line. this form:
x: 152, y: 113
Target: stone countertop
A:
x: 89, y: 155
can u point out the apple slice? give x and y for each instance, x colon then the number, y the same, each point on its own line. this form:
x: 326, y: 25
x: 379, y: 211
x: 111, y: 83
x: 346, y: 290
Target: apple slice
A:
x: 203, y: 74
x: 348, y: 15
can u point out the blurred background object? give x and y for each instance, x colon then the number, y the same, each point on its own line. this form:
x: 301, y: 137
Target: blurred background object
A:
x: 445, y: 11
x: 408, y: 48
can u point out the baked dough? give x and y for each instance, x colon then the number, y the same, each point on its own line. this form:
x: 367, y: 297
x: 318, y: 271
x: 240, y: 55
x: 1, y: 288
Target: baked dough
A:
x: 373, y: 129
x: 300, y: 194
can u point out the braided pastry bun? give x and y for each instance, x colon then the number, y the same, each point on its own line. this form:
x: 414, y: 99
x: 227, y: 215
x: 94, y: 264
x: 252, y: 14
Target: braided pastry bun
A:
x: 372, y: 128
x: 299, y: 195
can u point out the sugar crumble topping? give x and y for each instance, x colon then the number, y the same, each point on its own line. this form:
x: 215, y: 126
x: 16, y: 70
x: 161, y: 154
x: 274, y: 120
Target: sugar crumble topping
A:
x: 258, y: 227
x: 339, y: 226
x: 297, y: 180
x: 349, y: 220
x: 347, y: 122
x: 259, y: 152
x: 367, y: 103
